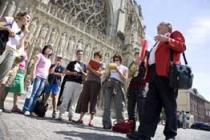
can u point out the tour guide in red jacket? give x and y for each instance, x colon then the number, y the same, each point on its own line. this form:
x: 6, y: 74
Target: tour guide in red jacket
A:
x: 160, y: 94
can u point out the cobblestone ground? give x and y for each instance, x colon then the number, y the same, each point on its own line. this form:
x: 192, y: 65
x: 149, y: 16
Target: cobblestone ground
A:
x: 20, y: 127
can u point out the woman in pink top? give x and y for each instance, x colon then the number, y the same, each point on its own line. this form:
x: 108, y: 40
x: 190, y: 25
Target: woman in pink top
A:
x: 40, y: 74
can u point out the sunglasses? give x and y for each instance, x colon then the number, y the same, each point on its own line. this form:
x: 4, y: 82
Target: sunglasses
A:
x: 116, y: 60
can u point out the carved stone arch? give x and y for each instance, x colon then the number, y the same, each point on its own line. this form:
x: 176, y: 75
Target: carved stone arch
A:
x: 93, y: 13
x: 62, y: 43
x: 32, y: 38
x: 94, y: 48
x: 106, y: 57
x: 86, y: 47
x: 41, y: 40
x: 11, y: 8
x: 3, y: 7
x: 99, y: 46
x: 73, y: 44
x: 33, y: 28
x: 80, y: 44
x: 44, y: 30
x: 53, y: 36
x: 110, y: 18
x: 69, y: 49
x: 87, y: 51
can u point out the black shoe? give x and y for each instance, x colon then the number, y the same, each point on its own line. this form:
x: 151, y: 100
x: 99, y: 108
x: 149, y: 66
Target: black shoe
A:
x: 137, y: 136
x: 107, y: 127
x: 133, y: 136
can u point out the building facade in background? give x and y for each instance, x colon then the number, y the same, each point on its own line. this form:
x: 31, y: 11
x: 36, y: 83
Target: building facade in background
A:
x: 191, y: 101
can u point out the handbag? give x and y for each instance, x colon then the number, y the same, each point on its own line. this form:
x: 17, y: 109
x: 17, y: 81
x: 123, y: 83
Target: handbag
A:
x: 126, y: 126
x: 10, y: 76
x: 181, y: 76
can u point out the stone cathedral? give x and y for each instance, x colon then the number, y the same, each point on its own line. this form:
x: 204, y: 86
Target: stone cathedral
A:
x: 112, y: 26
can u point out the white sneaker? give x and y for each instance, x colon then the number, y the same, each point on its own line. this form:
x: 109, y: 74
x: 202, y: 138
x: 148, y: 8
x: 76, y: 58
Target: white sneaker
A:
x: 60, y: 117
x: 27, y: 113
x: 1, y: 110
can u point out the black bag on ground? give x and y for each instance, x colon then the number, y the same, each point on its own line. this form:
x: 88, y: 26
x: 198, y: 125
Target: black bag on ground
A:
x: 181, y: 76
x: 40, y: 107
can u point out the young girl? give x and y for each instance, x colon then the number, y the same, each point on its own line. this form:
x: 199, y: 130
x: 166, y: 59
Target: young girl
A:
x: 40, y: 74
x: 17, y: 86
x: 9, y: 78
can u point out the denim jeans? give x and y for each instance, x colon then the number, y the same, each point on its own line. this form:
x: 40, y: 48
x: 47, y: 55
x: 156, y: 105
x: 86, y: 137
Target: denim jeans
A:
x: 6, y: 62
x: 38, y: 86
x: 113, y: 91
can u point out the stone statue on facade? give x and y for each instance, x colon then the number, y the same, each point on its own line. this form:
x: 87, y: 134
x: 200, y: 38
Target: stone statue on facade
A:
x: 61, y: 44
x: 87, y: 51
x: 41, y: 40
x: 79, y: 45
x: 53, y: 36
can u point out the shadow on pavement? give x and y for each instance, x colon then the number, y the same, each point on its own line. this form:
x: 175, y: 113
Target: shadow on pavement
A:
x: 88, y: 136
x: 82, y: 126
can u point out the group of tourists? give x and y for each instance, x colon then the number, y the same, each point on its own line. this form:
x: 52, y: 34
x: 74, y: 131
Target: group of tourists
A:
x: 76, y: 88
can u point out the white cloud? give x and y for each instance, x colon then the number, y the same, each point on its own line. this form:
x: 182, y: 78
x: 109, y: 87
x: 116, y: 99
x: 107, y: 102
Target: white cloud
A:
x: 198, y: 41
x: 199, y: 32
x: 201, y: 82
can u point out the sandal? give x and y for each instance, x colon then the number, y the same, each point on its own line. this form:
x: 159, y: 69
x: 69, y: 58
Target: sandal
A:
x: 90, y: 125
x: 16, y: 110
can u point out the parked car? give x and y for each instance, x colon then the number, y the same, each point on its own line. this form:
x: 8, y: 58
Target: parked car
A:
x: 201, y: 126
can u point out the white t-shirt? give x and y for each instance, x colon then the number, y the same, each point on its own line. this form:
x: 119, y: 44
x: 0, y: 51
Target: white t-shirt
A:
x: 152, y: 54
x: 116, y: 75
x: 13, y: 42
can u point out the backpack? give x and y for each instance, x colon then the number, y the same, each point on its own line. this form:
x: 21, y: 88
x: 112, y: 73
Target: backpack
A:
x: 40, y: 107
x: 4, y: 37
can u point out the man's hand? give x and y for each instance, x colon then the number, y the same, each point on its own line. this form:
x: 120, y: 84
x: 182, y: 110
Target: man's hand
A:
x: 118, y: 70
x: 161, y: 38
x: 11, y: 33
x: 75, y: 73
x: 33, y: 77
x: 70, y: 73
x: 26, y: 30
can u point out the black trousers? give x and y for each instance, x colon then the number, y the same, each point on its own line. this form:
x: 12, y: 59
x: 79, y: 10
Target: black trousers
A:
x: 159, y: 96
x: 135, y: 100
x: 61, y: 92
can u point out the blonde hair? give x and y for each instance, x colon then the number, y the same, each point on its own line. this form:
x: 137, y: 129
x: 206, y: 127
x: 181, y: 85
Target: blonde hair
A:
x: 18, y: 59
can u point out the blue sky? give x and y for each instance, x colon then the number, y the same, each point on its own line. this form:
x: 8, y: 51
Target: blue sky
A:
x: 192, y: 18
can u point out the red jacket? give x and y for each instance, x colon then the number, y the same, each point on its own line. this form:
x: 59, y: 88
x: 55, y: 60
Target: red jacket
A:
x: 162, y: 54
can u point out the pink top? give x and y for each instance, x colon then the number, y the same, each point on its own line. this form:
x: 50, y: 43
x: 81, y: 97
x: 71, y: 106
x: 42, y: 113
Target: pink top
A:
x: 43, y: 66
x: 23, y: 64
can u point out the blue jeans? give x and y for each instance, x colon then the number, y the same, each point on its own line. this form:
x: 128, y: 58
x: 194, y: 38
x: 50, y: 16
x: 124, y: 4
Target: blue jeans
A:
x: 113, y: 91
x: 38, y: 87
